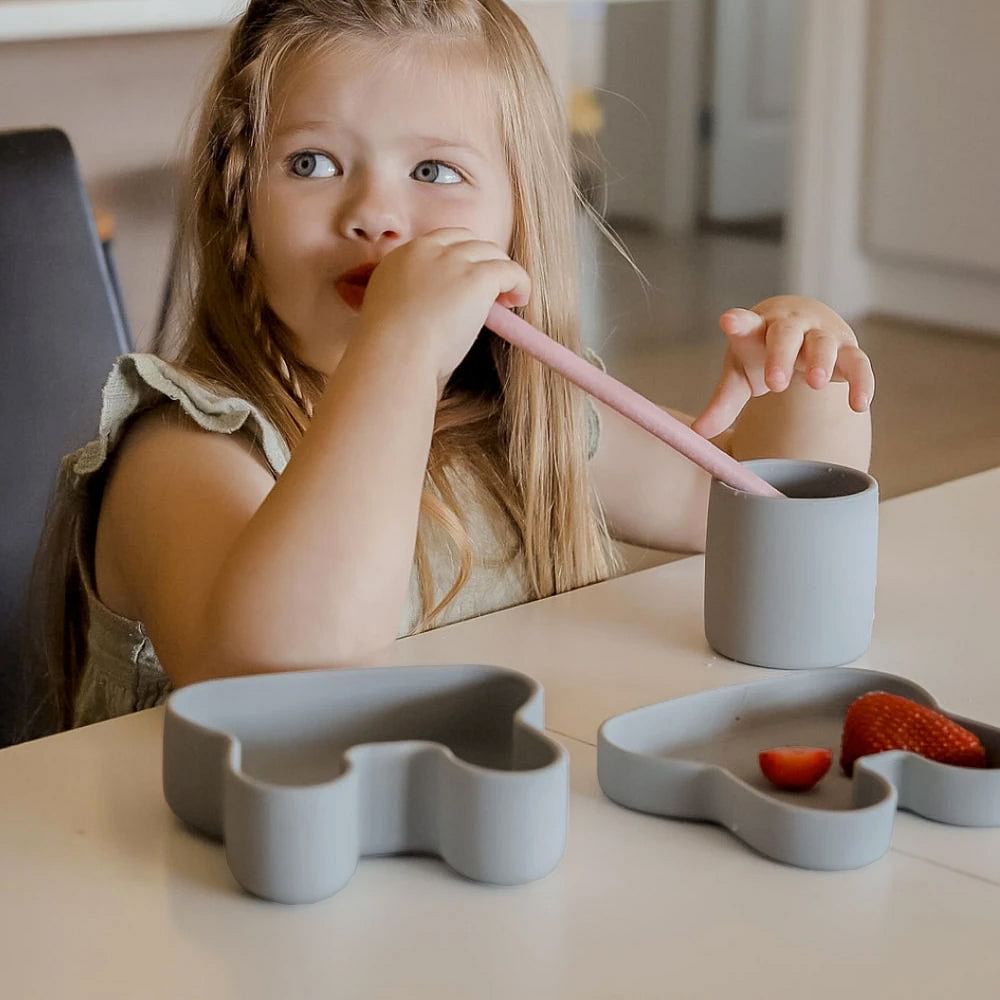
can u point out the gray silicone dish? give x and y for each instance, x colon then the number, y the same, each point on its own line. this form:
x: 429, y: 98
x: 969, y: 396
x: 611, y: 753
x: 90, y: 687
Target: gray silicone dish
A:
x: 302, y: 773
x: 695, y: 757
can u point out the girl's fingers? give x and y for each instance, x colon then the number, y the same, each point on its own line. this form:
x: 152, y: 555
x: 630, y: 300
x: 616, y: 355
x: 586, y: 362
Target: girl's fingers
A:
x: 514, y: 283
x: 731, y: 395
x: 820, y: 357
x: 512, y: 300
x: 745, y: 330
x: 478, y: 250
x: 764, y: 356
x: 464, y: 241
x: 854, y: 368
x: 448, y: 235
x: 512, y: 280
x: 784, y: 342
x: 741, y: 322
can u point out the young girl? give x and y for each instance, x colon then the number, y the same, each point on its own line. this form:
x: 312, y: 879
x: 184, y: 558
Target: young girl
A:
x: 340, y: 455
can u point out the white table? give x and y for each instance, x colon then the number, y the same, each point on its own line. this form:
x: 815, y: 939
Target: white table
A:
x: 104, y: 894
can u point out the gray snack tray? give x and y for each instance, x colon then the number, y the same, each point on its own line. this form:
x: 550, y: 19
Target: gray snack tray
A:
x: 695, y: 757
x: 303, y: 773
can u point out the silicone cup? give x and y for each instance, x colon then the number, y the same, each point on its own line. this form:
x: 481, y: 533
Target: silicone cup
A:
x: 790, y: 581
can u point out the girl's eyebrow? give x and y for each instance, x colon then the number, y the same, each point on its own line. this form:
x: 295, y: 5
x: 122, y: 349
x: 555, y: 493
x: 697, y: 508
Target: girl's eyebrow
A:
x: 437, y: 142
x: 302, y: 127
x: 433, y: 140
x: 422, y: 140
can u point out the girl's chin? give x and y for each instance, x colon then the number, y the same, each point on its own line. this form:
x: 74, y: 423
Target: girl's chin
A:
x: 323, y: 346
x: 325, y: 361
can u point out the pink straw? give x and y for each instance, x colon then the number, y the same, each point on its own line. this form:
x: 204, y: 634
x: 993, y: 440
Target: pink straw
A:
x: 627, y: 402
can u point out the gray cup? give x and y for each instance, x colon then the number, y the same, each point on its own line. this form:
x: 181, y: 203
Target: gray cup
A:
x: 790, y: 582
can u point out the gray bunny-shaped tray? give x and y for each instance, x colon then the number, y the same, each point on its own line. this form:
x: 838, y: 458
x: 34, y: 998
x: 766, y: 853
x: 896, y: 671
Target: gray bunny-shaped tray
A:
x: 695, y: 757
x: 303, y: 773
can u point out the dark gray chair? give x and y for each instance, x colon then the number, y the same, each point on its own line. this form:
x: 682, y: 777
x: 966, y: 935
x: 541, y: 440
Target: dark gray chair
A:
x: 60, y: 330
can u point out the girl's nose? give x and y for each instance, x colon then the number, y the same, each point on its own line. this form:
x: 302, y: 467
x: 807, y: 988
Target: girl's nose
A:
x: 372, y: 216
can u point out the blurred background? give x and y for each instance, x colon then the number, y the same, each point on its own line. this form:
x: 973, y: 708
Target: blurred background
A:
x: 847, y: 149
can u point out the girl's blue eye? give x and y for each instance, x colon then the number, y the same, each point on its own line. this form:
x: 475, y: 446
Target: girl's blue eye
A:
x: 312, y: 165
x: 435, y: 172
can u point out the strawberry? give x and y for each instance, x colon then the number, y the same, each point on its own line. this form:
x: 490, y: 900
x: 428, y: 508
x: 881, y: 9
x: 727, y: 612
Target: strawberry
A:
x: 879, y: 721
x: 795, y: 769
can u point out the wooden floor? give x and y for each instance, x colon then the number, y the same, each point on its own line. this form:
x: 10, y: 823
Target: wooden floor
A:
x: 936, y: 414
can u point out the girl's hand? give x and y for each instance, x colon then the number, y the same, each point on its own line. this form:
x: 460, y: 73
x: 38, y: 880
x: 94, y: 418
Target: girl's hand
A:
x: 436, y: 291
x: 770, y: 343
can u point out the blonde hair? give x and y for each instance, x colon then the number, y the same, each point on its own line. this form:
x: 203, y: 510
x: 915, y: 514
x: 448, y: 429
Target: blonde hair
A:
x: 521, y: 428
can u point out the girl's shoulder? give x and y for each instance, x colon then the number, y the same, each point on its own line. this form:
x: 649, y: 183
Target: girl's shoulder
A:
x: 143, y: 389
x: 176, y: 460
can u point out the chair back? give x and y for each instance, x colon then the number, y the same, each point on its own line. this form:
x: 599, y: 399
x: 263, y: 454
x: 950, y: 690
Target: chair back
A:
x: 60, y: 330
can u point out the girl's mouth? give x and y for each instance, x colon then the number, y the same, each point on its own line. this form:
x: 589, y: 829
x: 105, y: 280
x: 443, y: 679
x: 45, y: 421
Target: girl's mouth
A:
x: 352, y: 284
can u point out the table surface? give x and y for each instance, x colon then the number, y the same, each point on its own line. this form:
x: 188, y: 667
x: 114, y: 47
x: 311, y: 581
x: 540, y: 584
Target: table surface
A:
x: 103, y: 893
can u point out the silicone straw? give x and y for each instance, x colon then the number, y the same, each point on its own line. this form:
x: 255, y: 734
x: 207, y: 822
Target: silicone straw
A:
x: 627, y: 402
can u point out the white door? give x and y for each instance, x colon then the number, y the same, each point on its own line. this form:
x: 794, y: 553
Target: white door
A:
x: 753, y: 81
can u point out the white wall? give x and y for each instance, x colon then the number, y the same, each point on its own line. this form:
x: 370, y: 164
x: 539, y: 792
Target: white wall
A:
x: 22, y: 20
x: 896, y: 160
x: 653, y: 95
x: 124, y: 100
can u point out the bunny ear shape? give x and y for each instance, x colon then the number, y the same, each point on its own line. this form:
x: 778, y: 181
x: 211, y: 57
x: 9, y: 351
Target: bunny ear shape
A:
x: 697, y: 757
x: 303, y: 773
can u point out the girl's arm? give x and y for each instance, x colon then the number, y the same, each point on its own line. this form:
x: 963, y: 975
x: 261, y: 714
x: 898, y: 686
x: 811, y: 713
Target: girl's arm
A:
x: 655, y: 498
x: 651, y: 495
x: 233, y: 573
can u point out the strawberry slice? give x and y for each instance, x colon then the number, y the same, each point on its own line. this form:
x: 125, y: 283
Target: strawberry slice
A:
x: 879, y: 721
x: 795, y: 769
